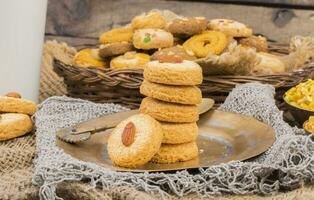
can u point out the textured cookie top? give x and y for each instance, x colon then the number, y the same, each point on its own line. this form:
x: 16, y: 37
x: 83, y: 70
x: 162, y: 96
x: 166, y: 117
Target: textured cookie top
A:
x: 16, y: 105
x: 230, y: 27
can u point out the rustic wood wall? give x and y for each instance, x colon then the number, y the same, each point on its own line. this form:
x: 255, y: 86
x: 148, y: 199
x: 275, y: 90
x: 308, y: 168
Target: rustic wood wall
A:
x: 81, y: 21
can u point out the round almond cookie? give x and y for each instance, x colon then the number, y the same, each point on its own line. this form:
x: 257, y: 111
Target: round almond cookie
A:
x: 177, y: 133
x: 230, y: 27
x: 187, y: 26
x: 114, y: 49
x: 171, y: 153
x: 152, y: 39
x: 134, y: 141
x: 89, y: 58
x: 17, y: 105
x: 13, y: 125
x: 177, y: 51
x: 122, y: 34
x: 182, y: 73
x: 151, y: 20
x: 172, y: 93
x: 169, y: 112
x: 130, y: 60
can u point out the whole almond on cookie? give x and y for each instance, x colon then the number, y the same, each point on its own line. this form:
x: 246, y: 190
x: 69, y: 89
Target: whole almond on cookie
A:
x: 14, y: 95
x: 128, y: 134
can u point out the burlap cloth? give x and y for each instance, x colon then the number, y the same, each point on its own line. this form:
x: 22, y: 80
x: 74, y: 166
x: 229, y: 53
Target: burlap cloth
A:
x: 16, y: 165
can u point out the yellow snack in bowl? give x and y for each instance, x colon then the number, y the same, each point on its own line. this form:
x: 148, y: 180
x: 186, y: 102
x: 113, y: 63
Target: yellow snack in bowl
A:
x: 302, y: 95
x: 130, y: 60
x: 88, y: 58
x: 309, y: 125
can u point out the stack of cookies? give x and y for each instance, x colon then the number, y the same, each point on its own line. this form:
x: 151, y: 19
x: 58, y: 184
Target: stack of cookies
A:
x: 172, y: 98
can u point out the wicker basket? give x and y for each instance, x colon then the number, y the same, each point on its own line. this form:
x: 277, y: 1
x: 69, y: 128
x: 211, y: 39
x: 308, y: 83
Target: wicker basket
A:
x: 122, y: 86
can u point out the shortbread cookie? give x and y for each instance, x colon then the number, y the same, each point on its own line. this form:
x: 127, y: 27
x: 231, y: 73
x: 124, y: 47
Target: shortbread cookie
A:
x: 177, y: 133
x: 14, y: 125
x: 177, y: 51
x: 135, y: 141
x: 116, y: 35
x: 230, y: 27
x: 184, y: 73
x: 16, y: 105
x: 172, y: 93
x: 89, y: 58
x: 114, y: 49
x: 171, y: 153
x: 207, y: 42
x: 151, y: 20
x: 187, y: 26
x: 130, y: 60
x: 152, y: 39
x: 257, y: 42
x: 169, y: 112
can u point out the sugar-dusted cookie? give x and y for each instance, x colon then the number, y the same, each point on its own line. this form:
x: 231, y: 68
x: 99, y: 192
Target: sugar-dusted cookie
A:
x: 257, y: 42
x: 181, y: 73
x: 151, y: 20
x: 130, y: 60
x: 17, y: 105
x: 177, y: 51
x: 172, y: 93
x: 13, y: 125
x: 114, y: 49
x: 134, y: 141
x: 177, y: 133
x: 171, y: 153
x: 169, y: 112
x: 187, y: 26
x: 116, y: 35
x: 152, y: 39
x: 207, y: 42
x: 230, y: 27
x: 89, y: 58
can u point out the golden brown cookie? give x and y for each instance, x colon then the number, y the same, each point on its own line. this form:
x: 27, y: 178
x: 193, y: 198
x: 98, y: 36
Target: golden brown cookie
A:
x: 257, y: 42
x: 187, y: 26
x: 14, y: 125
x: 172, y: 93
x: 130, y: 60
x: 114, y: 49
x: 151, y: 20
x: 169, y: 112
x: 152, y: 39
x: 89, y: 58
x: 177, y: 51
x: 134, y: 141
x: 184, y: 73
x: 171, y: 153
x: 207, y: 42
x: 230, y: 27
x: 16, y: 105
x: 116, y: 35
x: 177, y: 133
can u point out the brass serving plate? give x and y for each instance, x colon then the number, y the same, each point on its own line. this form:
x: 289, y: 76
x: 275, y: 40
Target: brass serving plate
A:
x: 223, y: 137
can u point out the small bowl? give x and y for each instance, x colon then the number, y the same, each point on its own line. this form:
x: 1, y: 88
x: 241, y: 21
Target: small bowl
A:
x: 308, y: 132
x: 300, y: 115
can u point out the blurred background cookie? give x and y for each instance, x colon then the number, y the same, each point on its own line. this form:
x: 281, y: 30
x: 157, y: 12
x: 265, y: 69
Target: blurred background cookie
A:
x: 17, y: 105
x: 169, y: 112
x: 114, y: 49
x: 130, y: 60
x: 170, y: 93
x: 177, y: 133
x: 269, y: 64
x: 177, y: 51
x: 187, y: 26
x: 230, y: 27
x: 184, y: 73
x: 257, y: 42
x: 14, y: 125
x: 116, y: 35
x: 152, y: 39
x: 171, y: 153
x: 89, y: 58
x: 151, y: 20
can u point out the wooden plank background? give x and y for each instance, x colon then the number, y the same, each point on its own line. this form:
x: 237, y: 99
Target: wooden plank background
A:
x: 80, y: 22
